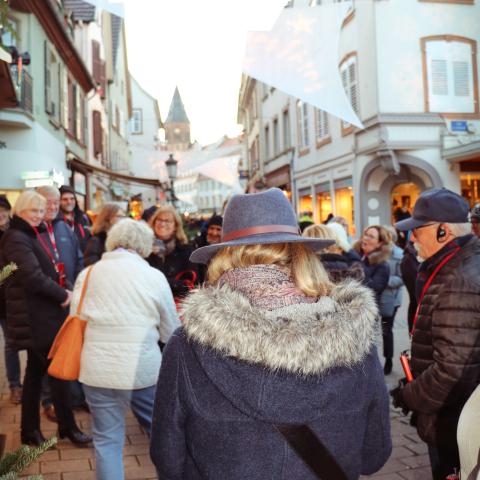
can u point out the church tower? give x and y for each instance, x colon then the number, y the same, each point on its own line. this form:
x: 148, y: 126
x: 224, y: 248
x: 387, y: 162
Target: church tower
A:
x: 177, y: 125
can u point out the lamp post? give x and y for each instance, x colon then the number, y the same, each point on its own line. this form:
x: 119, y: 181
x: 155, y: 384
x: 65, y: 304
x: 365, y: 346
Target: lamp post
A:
x: 171, y: 165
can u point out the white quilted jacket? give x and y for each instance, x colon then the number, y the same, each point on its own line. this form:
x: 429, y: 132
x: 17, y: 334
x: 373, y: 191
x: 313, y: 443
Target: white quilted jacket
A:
x: 128, y: 306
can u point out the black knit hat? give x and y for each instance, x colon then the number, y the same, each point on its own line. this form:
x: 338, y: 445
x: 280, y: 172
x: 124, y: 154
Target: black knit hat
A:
x: 4, y: 203
x: 67, y: 189
x: 215, y: 220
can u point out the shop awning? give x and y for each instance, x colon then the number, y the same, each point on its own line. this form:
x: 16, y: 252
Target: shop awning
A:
x: 76, y: 164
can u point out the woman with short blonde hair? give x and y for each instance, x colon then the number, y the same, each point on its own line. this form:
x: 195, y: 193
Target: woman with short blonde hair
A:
x: 27, y: 200
x: 268, y: 348
x: 171, y: 252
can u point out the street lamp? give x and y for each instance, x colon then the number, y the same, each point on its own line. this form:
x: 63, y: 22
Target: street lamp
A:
x: 171, y: 165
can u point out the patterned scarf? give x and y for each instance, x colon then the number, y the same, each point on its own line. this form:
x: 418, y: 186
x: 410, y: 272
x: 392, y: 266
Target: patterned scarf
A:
x: 266, y: 286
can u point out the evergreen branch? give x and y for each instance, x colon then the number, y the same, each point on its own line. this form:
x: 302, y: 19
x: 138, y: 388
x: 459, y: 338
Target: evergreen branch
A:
x: 24, y: 460
x: 9, y: 460
x: 7, y: 270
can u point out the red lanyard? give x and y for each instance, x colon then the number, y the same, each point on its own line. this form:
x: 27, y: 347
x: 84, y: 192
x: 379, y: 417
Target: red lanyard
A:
x: 45, y: 246
x: 428, y: 283
x: 72, y: 225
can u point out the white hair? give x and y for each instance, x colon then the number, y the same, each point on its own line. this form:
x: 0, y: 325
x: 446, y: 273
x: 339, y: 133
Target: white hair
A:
x: 460, y: 229
x: 47, y: 190
x: 340, y: 235
x: 131, y: 235
x: 28, y: 199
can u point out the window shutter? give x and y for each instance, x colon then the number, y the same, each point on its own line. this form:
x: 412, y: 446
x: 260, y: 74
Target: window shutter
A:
x: 439, y: 77
x: 71, y: 108
x: 461, y: 74
x: 96, y: 65
x: 97, y: 134
x: 48, y: 83
x: 103, y: 78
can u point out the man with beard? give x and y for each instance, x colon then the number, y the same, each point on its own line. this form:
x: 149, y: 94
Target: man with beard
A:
x: 213, y: 235
x: 73, y: 216
x: 446, y: 329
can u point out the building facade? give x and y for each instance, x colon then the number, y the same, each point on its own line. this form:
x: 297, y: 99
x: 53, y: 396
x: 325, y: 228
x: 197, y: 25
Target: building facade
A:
x: 414, y: 85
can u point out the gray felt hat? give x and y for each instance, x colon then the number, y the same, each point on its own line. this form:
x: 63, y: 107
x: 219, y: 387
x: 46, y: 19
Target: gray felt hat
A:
x: 258, y: 218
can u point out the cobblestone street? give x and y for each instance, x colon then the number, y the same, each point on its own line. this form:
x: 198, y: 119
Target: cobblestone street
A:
x: 409, y: 460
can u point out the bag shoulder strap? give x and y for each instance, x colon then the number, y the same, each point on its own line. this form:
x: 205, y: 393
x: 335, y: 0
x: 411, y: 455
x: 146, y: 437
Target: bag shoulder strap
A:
x: 312, y: 451
x: 84, y: 289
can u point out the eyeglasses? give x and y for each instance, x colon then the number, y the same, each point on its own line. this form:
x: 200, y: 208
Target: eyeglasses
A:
x: 165, y: 222
x: 424, y: 226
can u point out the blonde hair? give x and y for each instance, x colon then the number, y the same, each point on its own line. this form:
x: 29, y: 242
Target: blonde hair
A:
x: 306, y: 269
x: 179, y: 233
x: 104, y: 220
x: 28, y: 199
x: 131, y: 235
x: 47, y: 190
x: 320, y: 231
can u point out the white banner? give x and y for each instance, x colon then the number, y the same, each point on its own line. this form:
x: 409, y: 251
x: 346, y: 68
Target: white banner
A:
x: 222, y: 169
x: 300, y: 57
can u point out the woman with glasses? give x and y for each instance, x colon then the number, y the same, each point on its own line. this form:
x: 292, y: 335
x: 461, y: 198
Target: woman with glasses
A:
x: 171, y: 252
x: 107, y: 217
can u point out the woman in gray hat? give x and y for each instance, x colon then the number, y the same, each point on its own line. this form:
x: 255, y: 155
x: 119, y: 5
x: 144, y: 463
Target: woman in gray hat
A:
x: 274, y: 373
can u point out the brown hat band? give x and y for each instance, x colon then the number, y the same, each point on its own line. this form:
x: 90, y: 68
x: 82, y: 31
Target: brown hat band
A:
x: 246, y: 232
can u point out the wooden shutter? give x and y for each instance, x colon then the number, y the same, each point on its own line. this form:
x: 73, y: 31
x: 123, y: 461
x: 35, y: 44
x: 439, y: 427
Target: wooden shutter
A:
x: 103, y: 79
x: 71, y: 108
x: 48, y: 80
x: 96, y: 62
x: 97, y: 134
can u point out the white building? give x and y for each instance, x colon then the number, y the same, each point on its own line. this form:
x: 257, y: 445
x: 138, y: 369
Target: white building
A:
x: 410, y: 70
x: 144, y: 142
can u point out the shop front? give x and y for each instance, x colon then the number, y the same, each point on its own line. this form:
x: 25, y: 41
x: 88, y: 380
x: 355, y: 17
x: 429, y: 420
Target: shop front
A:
x: 344, y: 204
x: 281, y: 179
x: 323, y: 201
x: 305, y: 200
x: 470, y: 181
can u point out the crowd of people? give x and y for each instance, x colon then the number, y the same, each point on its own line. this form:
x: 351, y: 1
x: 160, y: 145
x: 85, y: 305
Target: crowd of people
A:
x: 240, y: 352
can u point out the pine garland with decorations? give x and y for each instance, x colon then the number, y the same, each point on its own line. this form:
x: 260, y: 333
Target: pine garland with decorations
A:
x: 12, y: 464
x: 7, y: 270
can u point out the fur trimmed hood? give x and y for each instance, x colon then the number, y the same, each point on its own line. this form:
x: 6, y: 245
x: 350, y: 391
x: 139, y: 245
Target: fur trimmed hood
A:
x: 337, y: 331
x: 383, y: 254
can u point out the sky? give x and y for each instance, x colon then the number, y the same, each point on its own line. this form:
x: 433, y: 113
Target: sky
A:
x: 197, y: 45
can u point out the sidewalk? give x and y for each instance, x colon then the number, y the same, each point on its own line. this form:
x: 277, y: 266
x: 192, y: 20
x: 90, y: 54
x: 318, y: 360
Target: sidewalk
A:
x: 409, y: 460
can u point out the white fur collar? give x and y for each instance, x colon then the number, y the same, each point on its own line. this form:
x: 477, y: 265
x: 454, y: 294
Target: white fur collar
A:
x: 338, y: 330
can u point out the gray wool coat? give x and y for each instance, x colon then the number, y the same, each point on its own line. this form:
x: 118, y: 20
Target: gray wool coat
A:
x: 233, y: 371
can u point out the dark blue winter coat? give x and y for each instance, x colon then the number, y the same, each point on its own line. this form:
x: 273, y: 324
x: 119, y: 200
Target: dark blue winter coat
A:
x: 68, y: 248
x: 233, y: 371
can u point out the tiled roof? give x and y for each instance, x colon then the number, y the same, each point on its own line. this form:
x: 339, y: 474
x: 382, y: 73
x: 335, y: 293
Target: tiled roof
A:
x: 81, y: 10
x: 177, y: 113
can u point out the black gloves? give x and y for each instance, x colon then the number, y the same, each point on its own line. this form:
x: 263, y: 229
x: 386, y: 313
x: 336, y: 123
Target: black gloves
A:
x: 397, y: 396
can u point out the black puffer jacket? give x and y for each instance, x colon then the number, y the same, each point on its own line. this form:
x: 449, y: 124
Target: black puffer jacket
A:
x: 33, y: 295
x: 95, y: 248
x: 176, y: 262
x: 340, y: 268
x: 446, y: 347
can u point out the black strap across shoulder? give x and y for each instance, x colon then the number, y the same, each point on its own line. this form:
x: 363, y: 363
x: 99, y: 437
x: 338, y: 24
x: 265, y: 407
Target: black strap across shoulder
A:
x: 312, y: 451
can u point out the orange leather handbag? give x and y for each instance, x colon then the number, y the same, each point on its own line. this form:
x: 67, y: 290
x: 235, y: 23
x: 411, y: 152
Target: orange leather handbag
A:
x: 67, y: 347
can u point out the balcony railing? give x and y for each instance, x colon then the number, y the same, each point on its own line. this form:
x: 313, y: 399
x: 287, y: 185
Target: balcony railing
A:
x: 24, y: 87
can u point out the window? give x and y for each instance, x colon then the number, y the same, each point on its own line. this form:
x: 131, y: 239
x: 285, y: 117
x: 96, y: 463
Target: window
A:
x: 52, y: 83
x: 137, y: 121
x: 64, y: 98
x: 9, y: 35
x: 348, y: 72
x: 322, y: 131
x: 267, y: 142
x: 264, y: 90
x: 78, y: 114
x: 276, y: 140
x: 286, y: 129
x: 449, y: 64
x: 302, y: 119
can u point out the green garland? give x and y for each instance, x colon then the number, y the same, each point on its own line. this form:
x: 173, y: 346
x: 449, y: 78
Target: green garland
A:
x: 7, y: 270
x: 14, y: 463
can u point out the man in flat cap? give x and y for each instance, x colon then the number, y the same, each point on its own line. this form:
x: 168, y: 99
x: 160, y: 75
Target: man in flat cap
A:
x: 446, y: 331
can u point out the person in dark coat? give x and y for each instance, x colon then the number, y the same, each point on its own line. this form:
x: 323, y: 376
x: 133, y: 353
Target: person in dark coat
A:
x: 375, y: 250
x: 212, y: 236
x: 171, y: 253
x: 446, y: 334
x: 62, y: 244
x: 338, y: 266
x: 409, y: 268
x: 73, y: 216
x: 475, y: 219
x: 269, y: 341
x: 12, y: 360
x: 109, y: 214
x: 36, y: 304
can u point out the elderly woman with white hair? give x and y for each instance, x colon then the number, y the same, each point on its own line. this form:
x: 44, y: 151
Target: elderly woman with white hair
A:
x: 128, y: 307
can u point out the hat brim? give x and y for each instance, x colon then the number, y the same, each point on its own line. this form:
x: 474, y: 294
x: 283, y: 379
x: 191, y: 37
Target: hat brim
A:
x: 410, y: 224
x: 204, y: 254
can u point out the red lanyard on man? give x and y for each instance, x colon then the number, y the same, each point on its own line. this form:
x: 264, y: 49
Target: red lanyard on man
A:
x: 444, y: 261
x: 72, y: 225
x: 55, y: 256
